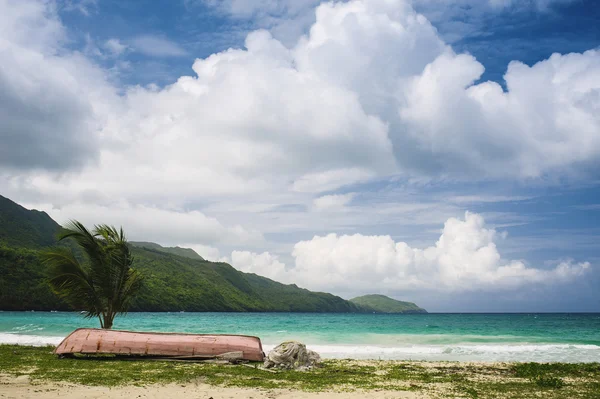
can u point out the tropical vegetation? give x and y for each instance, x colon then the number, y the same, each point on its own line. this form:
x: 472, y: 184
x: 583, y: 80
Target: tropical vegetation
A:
x: 185, y: 252
x: 384, y: 304
x: 104, y: 284
x: 173, y: 280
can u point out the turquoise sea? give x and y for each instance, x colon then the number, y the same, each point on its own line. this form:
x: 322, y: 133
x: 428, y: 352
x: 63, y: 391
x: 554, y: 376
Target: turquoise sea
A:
x: 466, y: 337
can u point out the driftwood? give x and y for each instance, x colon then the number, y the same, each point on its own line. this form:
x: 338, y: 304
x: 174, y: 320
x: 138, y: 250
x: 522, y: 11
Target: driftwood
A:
x: 292, y: 355
x: 260, y: 368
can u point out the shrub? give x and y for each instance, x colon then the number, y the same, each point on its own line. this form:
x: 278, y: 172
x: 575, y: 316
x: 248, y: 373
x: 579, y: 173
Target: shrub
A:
x: 548, y: 382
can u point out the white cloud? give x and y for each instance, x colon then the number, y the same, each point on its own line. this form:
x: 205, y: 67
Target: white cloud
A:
x: 331, y: 179
x: 547, y: 122
x: 51, y: 99
x: 85, y: 7
x: 465, y: 258
x: 250, y: 8
x: 264, y: 264
x: 456, y: 19
x: 207, y: 252
x: 371, y: 91
x: 469, y: 199
x: 333, y: 202
x: 286, y: 19
x: 32, y: 26
x: 289, y: 8
x: 115, y: 47
x: 164, y: 226
x: 210, y: 135
x: 157, y: 46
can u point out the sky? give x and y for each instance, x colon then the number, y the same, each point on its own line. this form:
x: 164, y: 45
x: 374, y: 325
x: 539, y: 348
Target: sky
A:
x: 445, y: 152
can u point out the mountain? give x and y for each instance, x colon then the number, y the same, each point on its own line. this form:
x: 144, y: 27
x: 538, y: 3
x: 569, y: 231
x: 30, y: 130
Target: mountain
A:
x: 384, y: 304
x: 177, y: 283
x: 185, y: 252
x: 172, y: 282
x: 21, y: 227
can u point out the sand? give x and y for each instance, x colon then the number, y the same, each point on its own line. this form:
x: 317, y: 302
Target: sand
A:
x: 20, y: 387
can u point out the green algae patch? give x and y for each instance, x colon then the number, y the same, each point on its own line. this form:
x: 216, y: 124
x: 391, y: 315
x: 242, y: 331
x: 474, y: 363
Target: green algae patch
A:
x: 435, y: 379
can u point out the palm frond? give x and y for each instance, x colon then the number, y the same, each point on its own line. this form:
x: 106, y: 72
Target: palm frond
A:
x: 107, y: 284
x: 131, y: 285
x: 116, y: 263
x: 70, y: 281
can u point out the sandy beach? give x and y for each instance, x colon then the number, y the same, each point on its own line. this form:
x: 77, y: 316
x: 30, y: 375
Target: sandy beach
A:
x: 22, y: 387
x: 33, y: 372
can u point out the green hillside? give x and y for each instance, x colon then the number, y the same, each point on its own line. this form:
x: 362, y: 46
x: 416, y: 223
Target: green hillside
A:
x: 185, y: 252
x: 384, y: 304
x: 21, y: 227
x: 172, y: 282
x: 23, y: 282
x: 177, y: 283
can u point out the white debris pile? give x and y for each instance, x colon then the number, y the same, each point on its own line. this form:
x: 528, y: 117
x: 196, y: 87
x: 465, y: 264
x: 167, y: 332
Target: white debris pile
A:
x: 292, y: 355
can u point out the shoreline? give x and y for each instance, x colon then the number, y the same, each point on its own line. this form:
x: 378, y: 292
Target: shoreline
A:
x: 430, y: 337
x: 486, y: 352
x: 36, y: 373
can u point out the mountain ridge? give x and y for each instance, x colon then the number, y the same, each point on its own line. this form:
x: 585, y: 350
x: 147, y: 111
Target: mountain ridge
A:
x: 185, y: 252
x: 25, y: 228
x: 175, y: 279
x: 384, y: 304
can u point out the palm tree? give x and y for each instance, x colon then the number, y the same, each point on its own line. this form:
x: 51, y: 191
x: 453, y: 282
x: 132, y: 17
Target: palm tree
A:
x: 105, y: 283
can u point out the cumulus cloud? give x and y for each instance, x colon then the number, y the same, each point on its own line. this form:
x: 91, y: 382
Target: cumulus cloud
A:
x: 456, y: 19
x: 207, y: 252
x: 289, y: 8
x: 209, y: 134
x: 370, y: 91
x: 286, y: 19
x: 264, y: 264
x: 546, y: 122
x: 465, y: 258
x: 51, y: 99
x: 249, y: 8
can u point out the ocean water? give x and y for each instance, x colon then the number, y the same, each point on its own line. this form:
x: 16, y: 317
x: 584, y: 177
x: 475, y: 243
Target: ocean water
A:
x: 464, y: 337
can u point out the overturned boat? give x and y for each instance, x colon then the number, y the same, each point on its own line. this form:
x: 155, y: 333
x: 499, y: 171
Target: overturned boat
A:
x: 93, y: 341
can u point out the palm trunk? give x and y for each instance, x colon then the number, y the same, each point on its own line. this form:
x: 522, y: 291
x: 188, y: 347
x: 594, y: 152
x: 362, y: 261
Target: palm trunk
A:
x: 108, y: 320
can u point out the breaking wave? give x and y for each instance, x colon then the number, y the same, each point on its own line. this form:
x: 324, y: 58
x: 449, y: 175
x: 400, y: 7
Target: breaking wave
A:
x: 476, y: 353
x: 31, y: 340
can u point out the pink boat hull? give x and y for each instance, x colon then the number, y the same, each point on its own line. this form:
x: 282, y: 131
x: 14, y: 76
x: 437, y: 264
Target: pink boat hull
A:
x: 98, y: 341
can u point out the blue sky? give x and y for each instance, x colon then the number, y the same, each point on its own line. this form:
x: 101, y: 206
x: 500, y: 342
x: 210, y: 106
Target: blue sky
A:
x: 495, y: 35
x: 351, y: 147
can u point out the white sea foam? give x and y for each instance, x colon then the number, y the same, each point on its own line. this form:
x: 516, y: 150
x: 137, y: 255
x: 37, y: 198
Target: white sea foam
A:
x: 483, y: 353
x: 462, y: 352
x: 31, y: 340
